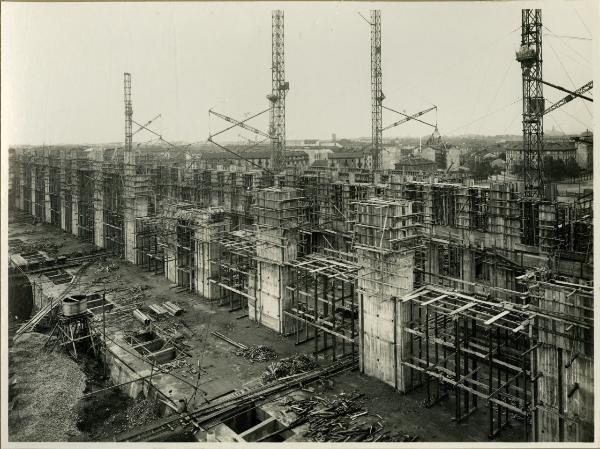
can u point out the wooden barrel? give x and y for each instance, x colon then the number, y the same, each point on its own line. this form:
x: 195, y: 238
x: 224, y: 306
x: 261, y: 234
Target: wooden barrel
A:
x: 74, y: 305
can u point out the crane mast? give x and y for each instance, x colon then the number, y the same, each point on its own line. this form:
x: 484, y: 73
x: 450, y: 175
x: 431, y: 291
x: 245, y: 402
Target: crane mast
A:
x: 279, y: 89
x: 376, y: 90
x: 530, y: 57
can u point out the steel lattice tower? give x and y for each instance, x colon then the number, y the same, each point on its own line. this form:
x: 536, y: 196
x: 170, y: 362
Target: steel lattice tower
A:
x: 128, y: 120
x: 530, y: 57
x: 376, y: 93
x: 279, y: 88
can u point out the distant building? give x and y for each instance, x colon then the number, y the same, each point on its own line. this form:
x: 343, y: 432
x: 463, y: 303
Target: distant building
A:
x: 393, y: 152
x: 584, y: 154
x: 437, y: 154
x: 562, y: 148
x: 320, y: 163
x: 315, y: 153
x: 351, y: 159
x: 250, y: 159
x: 414, y: 165
x: 453, y: 158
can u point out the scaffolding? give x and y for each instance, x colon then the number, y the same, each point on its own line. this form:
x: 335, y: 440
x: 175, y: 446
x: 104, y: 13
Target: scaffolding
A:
x: 150, y: 252
x: 478, y: 350
x: 323, y: 303
x: 233, y: 268
x: 85, y: 205
x: 113, y: 207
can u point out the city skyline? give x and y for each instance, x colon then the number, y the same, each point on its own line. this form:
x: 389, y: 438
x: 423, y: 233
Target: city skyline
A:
x: 68, y: 88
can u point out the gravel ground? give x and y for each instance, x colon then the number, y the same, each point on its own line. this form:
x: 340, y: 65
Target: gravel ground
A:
x: 48, y: 386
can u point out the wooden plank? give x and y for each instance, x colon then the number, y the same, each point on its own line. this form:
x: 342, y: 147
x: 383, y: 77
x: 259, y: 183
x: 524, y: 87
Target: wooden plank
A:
x: 462, y: 308
x: 426, y: 303
x: 414, y: 295
x: 521, y: 326
x: 497, y: 317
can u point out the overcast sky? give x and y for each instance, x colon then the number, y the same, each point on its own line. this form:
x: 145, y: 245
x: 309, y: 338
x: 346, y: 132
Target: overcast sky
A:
x: 63, y: 64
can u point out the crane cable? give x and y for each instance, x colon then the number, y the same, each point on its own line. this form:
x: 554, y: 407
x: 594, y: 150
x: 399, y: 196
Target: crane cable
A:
x: 486, y: 115
x: 569, y: 76
x: 583, y: 23
x: 410, y: 87
x: 499, y: 88
x: 583, y: 58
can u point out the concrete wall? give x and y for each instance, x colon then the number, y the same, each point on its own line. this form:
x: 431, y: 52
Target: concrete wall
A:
x: 552, y: 360
x: 382, y: 343
x: 271, y: 300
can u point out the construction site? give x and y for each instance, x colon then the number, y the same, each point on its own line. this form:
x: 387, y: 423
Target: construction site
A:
x: 303, y: 304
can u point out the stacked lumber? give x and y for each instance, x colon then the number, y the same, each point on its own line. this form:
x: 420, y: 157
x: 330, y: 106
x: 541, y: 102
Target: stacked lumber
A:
x: 157, y: 309
x: 172, y: 308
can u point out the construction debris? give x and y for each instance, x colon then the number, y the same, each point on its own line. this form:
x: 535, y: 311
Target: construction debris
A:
x: 49, y: 246
x: 107, y: 267
x: 257, y: 353
x: 298, y: 363
x: 337, y: 420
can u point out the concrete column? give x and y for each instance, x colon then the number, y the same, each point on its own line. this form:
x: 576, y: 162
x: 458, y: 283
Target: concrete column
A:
x: 62, y: 174
x: 21, y: 199
x: 137, y: 207
x: 171, y: 263
x: 75, y: 198
x: 382, y: 343
x: 205, y: 251
x: 468, y: 268
x: 47, y: 202
x: 32, y: 186
x: 135, y: 200
x: 279, y: 246
x: 99, y: 209
x: 432, y: 264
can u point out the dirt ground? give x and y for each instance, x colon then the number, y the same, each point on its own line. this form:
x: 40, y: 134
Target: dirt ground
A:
x: 222, y: 370
x: 109, y: 411
x: 404, y: 413
x: 45, y: 387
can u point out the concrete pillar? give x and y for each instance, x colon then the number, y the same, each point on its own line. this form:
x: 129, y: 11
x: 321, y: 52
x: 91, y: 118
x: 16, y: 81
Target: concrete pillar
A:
x: 382, y: 341
x: 47, y: 202
x: 135, y: 200
x: 99, y: 208
x: 207, y: 250
x: 63, y: 191
x: 270, y: 299
x: 75, y: 197
x: 432, y: 264
x: 21, y: 199
x: 134, y: 207
x: 277, y: 215
x: 32, y: 186
x: 468, y: 268
x: 171, y: 263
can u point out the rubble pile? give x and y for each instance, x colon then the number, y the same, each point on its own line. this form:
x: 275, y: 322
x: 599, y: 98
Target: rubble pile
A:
x: 49, y: 246
x: 107, y: 267
x: 342, y: 419
x: 257, y: 353
x: 142, y: 411
x: 296, y: 364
